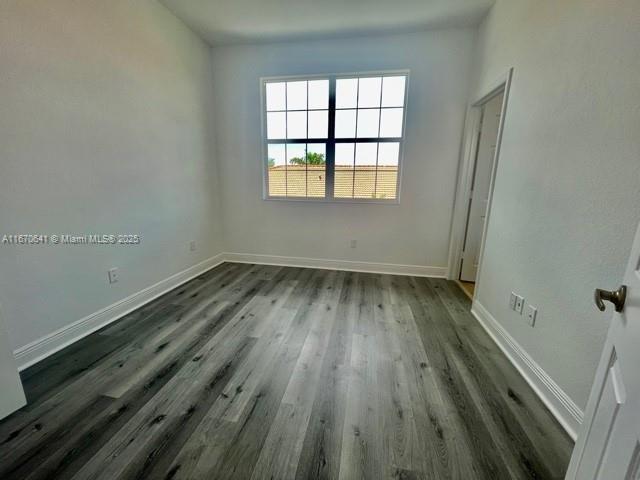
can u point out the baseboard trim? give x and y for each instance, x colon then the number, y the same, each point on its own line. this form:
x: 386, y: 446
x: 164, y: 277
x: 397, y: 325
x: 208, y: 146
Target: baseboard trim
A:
x: 57, y: 340
x: 563, y: 408
x: 348, y: 265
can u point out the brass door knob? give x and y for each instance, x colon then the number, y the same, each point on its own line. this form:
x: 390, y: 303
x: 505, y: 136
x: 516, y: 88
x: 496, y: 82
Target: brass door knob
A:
x: 617, y: 297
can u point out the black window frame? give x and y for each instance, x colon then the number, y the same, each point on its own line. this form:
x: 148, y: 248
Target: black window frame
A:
x: 330, y: 141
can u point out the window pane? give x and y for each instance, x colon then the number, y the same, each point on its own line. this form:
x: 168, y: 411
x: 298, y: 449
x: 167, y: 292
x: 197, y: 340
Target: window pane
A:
x: 368, y: 122
x: 393, y: 91
x: 296, y: 124
x: 343, y: 176
x: 345, y: 123
x: 319, y: 94
x: 316, y: 169
x: 387, y: 178
x: 275, y: 96
x: 345, y: 154
x: 296, y: 153
x: 364, y: 183
x: 277, y: 170
x: 346, y: 92
x: 391, y: 122
x: 276, y: 125
x: 296, y: 170
x: 296, y: 95
x: 366, y: 154
x: 369, y: 92
x: 318, y: 124
x: 388, y: 153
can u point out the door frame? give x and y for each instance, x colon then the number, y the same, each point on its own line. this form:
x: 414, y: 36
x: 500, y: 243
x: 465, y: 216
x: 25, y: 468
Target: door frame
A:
x: 465, y: 174
x: 13, y: 393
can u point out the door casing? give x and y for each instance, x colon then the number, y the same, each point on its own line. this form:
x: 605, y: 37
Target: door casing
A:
x: 465, y: 174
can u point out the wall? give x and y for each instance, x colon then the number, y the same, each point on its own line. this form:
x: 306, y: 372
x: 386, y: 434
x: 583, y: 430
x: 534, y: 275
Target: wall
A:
x: 567, y: 190
x: 106, y: 128
x: 416, y: 232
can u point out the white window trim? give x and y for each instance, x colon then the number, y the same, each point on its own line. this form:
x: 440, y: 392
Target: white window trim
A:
x: 332, y: 199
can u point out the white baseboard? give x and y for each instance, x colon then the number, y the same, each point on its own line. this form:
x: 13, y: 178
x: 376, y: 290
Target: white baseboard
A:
x: 568, y: 414
x: 348, y: 265
x: 51, y: 343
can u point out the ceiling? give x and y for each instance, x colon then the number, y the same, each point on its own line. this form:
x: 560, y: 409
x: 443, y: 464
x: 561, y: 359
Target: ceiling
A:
x: 248, y: 21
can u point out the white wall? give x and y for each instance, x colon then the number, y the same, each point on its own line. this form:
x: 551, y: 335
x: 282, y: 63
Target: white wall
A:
x: 105, y: 127
x: 565, y: 206
x: 416, y: 232
x: 110, y: 130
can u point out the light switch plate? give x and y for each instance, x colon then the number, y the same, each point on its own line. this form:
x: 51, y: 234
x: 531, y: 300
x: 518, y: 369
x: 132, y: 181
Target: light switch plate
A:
x: 113, y: 275
x: 512, y: 301
x: 519, y: 304
x: 532, y: 312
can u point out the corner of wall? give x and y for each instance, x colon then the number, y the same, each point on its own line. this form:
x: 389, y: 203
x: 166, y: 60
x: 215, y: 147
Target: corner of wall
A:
x: 215, y: 156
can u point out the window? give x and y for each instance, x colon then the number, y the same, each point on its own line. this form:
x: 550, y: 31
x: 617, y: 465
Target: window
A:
x: 335, y: 137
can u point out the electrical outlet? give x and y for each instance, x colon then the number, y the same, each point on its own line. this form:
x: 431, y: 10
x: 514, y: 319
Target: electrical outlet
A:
x: 531, y: 315
x: 192, y: 246
x: 512, y: 301
x: 114, y: 276
x: 519, y: 304
x: 353, y: 243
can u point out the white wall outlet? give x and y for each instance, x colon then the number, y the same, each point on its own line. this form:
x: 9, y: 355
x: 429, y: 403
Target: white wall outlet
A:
x: 512, y: 301
x: 353, y: 243
x: 192, y: 246
x: 531, y: 315
x: 114, y: 276
x: 519, y: 304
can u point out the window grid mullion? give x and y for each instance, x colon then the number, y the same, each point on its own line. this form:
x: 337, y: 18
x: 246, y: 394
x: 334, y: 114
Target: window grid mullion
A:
x: 368, y: 140
x: 355, y: 145
x: 330, y: 143
x: 336, y: 140
x: 305, y: 110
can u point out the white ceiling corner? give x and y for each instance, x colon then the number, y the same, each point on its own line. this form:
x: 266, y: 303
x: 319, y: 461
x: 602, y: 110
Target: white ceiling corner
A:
x: 222, y: 22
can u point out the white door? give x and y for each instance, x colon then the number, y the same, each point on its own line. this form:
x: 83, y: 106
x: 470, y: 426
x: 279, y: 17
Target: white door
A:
x: 11, y: 393
x: 608, y: 446
x: 485, y: 155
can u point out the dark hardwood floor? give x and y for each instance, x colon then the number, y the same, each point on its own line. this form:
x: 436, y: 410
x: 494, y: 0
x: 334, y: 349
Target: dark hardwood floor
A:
x: 270, y: 372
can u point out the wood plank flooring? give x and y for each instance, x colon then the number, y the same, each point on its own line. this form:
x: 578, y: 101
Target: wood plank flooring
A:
x: 264, y: 372
x: 468, y: 287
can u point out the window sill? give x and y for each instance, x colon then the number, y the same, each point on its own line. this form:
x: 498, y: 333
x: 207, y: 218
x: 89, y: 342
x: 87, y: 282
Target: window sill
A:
x: 332, y: 200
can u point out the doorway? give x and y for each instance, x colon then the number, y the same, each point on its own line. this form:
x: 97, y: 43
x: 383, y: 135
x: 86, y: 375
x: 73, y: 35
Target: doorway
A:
x: 490, y: 113
x: 475, y: 185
